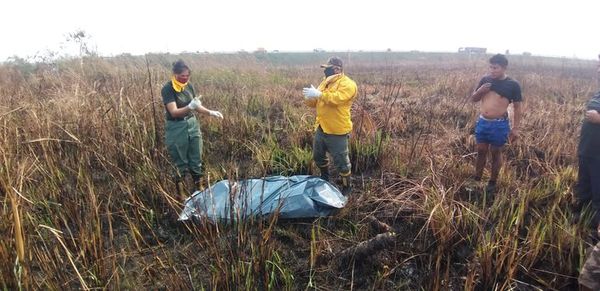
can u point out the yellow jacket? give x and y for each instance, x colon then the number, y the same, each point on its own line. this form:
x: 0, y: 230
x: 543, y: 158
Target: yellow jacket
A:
x: 333, y: 107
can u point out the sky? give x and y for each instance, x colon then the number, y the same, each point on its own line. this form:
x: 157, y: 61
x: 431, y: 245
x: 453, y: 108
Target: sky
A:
x: 550, y: 28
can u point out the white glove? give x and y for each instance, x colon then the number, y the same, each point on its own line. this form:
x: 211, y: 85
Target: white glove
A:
x: 311, y: 93
x: 194, y: 104
x: 198, y: 101
x: 215, y: 113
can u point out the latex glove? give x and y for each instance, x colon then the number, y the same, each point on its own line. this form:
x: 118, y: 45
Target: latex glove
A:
x: 311, y: 93
x: 198, y: 101
x: 215, y: 113
x: 194, y: 104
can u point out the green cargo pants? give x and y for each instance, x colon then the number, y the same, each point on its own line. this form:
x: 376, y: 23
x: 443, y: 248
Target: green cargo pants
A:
x: 184, y: 144
x: 337, y: 146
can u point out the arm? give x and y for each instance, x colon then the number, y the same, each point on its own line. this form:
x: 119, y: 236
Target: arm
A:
x: 169, y: 98
x: 517, y: 101
x: 310, y: 96
x: 480, y: 92
x: 592, y: 116
x: 177, y: 112
x: 517, y: 112
x: 310, y: 102
x: 343, y: 94
x: 206, y: 111
x: 203, y: 110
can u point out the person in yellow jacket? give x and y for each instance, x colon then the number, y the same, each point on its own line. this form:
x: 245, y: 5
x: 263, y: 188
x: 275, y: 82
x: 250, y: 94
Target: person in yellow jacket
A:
x: 333, y: 100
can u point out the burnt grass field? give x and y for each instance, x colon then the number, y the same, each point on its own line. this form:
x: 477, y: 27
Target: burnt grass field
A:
x: 88, y: 203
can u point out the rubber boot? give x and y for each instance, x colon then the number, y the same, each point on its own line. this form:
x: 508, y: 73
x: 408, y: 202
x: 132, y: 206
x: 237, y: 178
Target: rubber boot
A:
x: 180, y: 189
x: 324, y: 173
x: 197, y: 182
x: 346, y: 185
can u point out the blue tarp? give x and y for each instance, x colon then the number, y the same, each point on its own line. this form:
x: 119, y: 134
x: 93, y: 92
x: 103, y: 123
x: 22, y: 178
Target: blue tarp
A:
x: 292, y: 197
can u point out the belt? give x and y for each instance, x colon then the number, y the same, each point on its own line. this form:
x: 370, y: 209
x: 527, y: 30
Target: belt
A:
x: 181, y: 118
x: 319, y: 128
x: 493, y: 119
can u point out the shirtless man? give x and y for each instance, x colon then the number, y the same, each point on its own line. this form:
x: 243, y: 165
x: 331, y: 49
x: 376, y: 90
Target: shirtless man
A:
x: 495, y: 91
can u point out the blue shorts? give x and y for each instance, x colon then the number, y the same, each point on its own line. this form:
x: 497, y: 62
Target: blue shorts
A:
x: 492, y: 131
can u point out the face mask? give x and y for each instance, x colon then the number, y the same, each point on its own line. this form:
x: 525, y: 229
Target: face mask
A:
x: 329, y: 72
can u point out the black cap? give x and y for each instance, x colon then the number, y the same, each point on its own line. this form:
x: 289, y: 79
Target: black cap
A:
x: 333, y: 61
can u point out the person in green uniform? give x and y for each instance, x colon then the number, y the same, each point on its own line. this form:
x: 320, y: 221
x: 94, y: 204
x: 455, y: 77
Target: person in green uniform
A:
x: 182, y: 131
x: 333, y: 101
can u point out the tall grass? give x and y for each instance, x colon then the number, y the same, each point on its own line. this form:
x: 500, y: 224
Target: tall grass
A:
x: 87, y: 201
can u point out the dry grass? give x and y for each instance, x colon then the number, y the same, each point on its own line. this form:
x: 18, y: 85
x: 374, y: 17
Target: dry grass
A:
x: 87, y: 202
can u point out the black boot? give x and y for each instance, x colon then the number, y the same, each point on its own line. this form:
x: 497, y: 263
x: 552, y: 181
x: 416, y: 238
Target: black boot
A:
x: 180, y: 189
x: 346, y: 185
x: 324, y: 173
x: 197, y: 182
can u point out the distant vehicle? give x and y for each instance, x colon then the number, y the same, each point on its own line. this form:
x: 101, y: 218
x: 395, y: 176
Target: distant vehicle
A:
x: 260, y: 50
x: 319, y: 50
x: 527, y: 54
x: 472, y: 50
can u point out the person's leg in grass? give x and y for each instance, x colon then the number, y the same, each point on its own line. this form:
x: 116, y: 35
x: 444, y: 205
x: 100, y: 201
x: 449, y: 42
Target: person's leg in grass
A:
x: 338, y: 147
x: 320, y: 154
x: 177, y: 144
x: 500, y: 130
x: 483, y: 137
x: 583, y: 189
x: 496, y: 166
x: 594, y: 171
x: 195, y: 153
x: 482, y: 153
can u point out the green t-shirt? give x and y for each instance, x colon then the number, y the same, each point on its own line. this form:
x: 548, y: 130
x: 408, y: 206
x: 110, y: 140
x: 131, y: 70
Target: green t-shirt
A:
x: 181, y: 99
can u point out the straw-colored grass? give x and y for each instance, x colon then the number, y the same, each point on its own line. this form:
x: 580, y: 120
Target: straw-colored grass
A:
x: 87, y: 201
